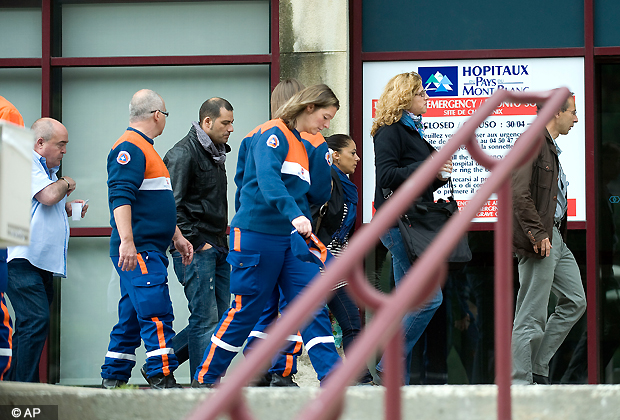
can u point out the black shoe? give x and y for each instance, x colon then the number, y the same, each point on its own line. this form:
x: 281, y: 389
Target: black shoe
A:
x: 367, y: 383
x: 160, y: 381
x: 278, y: 380
x: 380, y: 377
x: 112, y: 383
x: 366, y: 379
x: 196, y: 384
x: 540, y: 380
x: 143, y: 372
x: 262, y: 380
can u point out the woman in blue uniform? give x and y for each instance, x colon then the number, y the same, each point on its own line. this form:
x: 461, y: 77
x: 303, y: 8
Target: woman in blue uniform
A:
x: 274, y: 179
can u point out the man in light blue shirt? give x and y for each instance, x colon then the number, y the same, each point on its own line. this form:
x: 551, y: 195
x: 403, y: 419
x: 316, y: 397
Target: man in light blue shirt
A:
x: 32, y: 268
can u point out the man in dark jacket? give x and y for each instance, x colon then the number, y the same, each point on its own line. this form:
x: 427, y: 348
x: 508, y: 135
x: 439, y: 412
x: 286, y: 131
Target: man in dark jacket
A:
x: 198, y: 176
x: 545, y: 263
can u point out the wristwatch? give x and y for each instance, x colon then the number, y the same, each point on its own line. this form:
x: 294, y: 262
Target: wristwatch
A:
x: 65, y: 179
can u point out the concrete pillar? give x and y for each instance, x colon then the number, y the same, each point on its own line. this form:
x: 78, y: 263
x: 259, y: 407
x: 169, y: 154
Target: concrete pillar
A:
x: 314, y: 48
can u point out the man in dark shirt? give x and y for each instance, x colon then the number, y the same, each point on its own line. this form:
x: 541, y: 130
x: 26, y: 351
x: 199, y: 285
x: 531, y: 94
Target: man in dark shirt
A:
x: 198, y: 176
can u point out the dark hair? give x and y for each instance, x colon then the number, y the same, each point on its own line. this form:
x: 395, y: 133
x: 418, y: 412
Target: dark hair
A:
x: 211, y: 108
x: 338, y: 142
x: 564, y: 107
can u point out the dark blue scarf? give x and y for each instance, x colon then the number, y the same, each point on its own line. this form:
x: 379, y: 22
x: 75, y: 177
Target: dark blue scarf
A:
x: 350, y: 199
x: 413, y: 121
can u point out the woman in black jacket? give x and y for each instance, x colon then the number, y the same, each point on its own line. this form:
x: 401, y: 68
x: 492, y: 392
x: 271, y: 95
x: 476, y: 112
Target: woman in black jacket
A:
x: 334, y: 223
x: 335, y: 220
x: 400, y: 148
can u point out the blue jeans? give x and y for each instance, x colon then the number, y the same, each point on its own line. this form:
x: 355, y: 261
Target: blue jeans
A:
x: 414, y: 323
x: 31, y: 291
x: 346, y: 312
x: 206, y: 281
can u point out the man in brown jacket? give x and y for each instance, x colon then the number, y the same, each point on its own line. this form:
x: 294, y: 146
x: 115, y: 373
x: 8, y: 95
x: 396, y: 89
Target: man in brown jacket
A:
x: 545, y: 263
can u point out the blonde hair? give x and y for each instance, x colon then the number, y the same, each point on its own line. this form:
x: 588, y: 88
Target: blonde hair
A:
x: 283, y: 92
x: 321, y: 96
x: 396, y: 97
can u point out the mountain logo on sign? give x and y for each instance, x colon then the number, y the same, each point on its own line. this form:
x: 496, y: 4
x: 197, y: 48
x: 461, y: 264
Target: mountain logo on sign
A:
x: 438, y: 82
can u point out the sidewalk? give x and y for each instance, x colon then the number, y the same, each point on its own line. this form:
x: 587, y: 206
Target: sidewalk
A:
x: 444, y: 402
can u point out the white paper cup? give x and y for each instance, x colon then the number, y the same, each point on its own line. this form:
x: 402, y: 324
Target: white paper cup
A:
x: 76, y: 211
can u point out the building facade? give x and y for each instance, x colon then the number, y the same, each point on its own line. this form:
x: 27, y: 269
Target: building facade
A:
x: 80, y: 62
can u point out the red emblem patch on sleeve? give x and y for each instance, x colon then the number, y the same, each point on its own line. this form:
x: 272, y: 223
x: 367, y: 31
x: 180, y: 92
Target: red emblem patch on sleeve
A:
x: 123, y: 157
x: 273, y: 141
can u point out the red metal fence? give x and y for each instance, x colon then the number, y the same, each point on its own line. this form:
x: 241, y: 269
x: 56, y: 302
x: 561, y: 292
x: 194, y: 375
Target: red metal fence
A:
x: 383, y: 332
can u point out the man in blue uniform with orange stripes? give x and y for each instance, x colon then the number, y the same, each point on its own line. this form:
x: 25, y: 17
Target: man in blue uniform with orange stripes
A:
x: 143, y: 219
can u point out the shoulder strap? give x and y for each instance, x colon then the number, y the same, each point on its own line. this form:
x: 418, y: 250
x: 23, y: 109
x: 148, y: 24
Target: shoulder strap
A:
x: 451, y: 187
x: 322, y: 212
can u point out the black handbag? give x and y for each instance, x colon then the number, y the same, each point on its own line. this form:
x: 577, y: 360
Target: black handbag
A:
x: 423, y: 221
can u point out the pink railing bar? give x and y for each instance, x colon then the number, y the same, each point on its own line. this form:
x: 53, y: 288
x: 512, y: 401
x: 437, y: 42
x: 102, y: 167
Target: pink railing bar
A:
x: 393, y: 376
x: 383, y: 332
x: 503, y: 301
x: 240, y: 411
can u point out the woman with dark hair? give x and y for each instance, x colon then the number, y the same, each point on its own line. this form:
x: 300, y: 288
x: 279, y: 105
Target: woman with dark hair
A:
x: 400, y: 148
x: 273, y: 184
x: 334, y: 225
x: 337, y: 217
